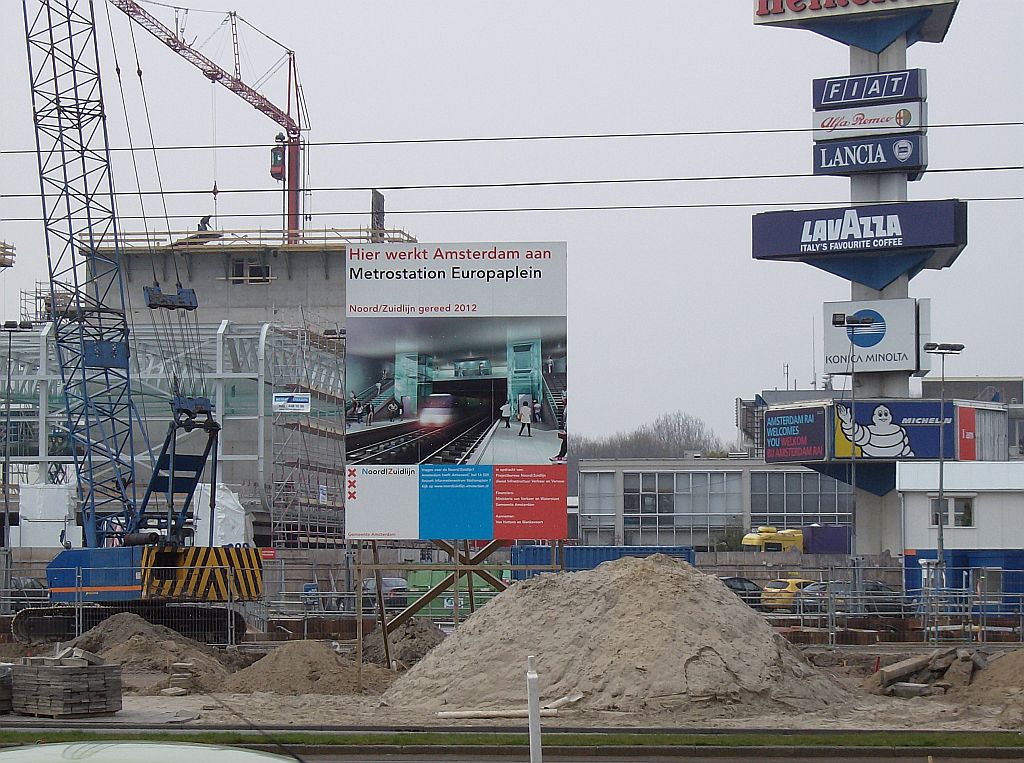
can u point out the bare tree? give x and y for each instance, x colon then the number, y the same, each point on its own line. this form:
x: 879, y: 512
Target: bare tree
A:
x: 671, y: 435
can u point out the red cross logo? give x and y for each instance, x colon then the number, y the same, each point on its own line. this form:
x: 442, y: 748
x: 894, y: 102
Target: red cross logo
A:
x: 351, y: 472
x: 351, y: 495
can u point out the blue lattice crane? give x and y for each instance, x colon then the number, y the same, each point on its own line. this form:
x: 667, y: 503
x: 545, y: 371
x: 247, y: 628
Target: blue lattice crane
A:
x: 135, y: 556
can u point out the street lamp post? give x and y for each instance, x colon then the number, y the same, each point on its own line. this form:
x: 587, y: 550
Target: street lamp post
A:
x: 942, y: 350
x: 851, y: 323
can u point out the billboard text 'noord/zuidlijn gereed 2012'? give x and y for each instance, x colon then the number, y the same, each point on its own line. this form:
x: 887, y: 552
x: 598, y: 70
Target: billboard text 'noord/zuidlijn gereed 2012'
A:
x: 456, y: 385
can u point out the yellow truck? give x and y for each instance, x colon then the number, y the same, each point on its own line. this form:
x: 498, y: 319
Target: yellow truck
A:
x: 772, y: 539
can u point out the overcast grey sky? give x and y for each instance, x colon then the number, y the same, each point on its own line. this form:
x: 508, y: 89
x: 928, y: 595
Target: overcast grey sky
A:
x: 667, y: 310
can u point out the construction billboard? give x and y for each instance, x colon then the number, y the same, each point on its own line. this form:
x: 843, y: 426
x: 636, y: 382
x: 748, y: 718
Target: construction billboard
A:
x: 456, y: 391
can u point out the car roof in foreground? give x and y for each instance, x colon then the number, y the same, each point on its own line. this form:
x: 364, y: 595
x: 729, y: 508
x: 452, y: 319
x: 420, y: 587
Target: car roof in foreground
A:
x: 131, y: 752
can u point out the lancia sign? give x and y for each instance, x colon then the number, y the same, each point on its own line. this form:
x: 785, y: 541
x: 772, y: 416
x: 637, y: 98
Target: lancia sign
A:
x: 900, y: 153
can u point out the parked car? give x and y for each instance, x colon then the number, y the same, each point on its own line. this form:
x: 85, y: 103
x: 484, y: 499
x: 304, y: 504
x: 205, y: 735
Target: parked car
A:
x: 779, y: 595
x: 395, y: 590
x: 746, y: 589
x: 28, y: 592
x: 875, y: 597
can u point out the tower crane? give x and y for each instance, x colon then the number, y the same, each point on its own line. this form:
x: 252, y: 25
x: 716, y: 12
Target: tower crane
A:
x: 134, y: 557
x: 291, y: 145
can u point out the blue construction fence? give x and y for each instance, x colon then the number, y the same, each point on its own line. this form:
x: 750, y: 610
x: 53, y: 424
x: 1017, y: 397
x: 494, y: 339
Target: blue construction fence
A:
x: 989, y: 580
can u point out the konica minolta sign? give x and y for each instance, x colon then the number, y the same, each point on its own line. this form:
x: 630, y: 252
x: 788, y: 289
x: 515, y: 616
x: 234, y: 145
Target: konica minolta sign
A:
x: 871, y: 229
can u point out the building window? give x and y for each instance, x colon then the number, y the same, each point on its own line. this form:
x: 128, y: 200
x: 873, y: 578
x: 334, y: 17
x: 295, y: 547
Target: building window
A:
x: 698, y: 509
x: 961, y: 506
x: 597, y: 506
x: 249, y: 270
x: 790, y: 500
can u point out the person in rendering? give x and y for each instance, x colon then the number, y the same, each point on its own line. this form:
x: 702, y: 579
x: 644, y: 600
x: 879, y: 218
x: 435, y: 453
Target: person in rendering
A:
x: 378, y: 385
x: 368, y: 411
x: 536, y: 412
x: 563, y: 435
x: 506, y: 414
x: 393, y: 410
x: 525, y: 419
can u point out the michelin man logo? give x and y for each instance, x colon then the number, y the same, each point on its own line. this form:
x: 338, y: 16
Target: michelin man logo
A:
x: 879, y: 439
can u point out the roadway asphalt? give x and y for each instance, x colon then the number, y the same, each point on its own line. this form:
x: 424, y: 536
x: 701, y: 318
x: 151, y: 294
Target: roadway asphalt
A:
x: 688, y: 757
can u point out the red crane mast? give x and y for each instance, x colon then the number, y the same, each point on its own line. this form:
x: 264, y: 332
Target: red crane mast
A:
x: 215, y: 73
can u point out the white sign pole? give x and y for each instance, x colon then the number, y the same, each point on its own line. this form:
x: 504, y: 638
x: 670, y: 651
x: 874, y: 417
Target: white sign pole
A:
x: 533, y: 704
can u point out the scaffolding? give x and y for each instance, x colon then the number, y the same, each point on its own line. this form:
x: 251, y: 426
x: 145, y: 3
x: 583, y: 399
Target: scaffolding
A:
x: 280, y: 466
x: 307, y: 496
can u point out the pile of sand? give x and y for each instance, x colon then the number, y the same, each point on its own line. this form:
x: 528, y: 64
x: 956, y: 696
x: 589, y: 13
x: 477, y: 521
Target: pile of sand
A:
x: 139, y: 645
x: 409, y: 643
x: 1001, y: 679
x: 634, y: 634
x: 307, y: 667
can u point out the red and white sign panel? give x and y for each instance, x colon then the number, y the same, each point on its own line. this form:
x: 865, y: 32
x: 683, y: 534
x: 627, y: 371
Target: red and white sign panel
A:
x: 967, y: 433
x: 889, y: 119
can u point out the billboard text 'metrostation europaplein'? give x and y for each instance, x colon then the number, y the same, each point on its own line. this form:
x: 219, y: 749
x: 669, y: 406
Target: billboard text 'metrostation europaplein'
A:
x: 456, y: 385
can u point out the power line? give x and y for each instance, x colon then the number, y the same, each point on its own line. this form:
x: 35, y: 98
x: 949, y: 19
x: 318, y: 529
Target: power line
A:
x: 568, y: 208
x: 522, y: 184
x: 525, y: 138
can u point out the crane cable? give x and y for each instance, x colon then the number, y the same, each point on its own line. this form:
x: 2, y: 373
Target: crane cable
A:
x: 191, y: 362
x: 166, y: 335
x: 140, y: 400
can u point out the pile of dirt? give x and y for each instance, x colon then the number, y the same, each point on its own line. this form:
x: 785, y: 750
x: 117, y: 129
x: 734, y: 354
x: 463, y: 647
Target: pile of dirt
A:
x: 648, y: 634
x: 307, y: 667
x: 976, y: 674
x: 409, y: 643
x: 139, y: 645
x: 1000, y: 677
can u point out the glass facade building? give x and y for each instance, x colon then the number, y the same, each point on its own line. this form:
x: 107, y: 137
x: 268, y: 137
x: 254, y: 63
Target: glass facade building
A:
x: 704, y: 503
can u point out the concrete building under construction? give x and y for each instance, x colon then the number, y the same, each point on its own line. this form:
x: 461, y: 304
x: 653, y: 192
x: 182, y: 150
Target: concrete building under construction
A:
x: 270, y: 319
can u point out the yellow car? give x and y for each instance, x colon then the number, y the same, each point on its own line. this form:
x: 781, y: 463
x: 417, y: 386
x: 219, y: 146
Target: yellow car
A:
x: 779, y: 595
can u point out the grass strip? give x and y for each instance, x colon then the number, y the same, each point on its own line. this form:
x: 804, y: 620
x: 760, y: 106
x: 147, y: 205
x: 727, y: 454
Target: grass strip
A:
x: 924, y: 739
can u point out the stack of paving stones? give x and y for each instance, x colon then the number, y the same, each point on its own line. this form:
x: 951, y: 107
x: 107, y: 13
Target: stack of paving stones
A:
x: 182, y: 680
x: 74, y: 683
x: 5, y: 689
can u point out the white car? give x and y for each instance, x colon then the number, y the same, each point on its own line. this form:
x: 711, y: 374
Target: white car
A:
x: 133, y: 752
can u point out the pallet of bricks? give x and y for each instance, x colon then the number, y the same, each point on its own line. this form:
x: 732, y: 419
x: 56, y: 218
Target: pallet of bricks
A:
x: 73, y: 683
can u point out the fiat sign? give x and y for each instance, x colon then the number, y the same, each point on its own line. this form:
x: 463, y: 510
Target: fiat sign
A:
x: 865, y: 89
